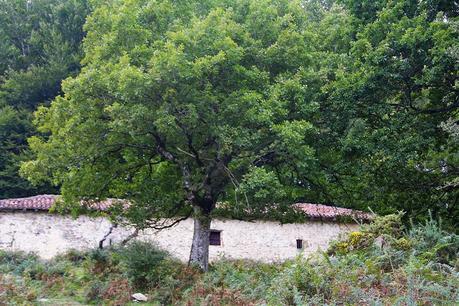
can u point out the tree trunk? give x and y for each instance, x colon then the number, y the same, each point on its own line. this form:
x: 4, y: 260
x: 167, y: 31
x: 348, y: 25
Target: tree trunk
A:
x: 199, y: 255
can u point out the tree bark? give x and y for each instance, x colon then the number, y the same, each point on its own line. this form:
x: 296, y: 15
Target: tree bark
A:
x: 199, y: 255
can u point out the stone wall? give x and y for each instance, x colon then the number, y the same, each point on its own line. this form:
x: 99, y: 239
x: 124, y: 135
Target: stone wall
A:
x: 48, y: 235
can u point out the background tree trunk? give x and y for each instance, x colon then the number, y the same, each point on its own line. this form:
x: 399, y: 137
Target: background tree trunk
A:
x: 199, y: 255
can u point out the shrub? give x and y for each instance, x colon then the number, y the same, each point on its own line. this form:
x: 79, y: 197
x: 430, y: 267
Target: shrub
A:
x: 250, y: 278
x: 388, y: 229
x: 100, y: 259
x: 301, y: 280
x: 388, y: 225
x: 93, y: 292
x: 72, y: 255
x: 118, y: 291
x: 432, y: 242
x: 17, y: 262
x: 146, y: 265
x: 35, y: 270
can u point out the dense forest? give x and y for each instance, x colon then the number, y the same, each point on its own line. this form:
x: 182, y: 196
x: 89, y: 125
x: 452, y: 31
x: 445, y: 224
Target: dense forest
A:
x: 348, y: 102
x: 40, y: 45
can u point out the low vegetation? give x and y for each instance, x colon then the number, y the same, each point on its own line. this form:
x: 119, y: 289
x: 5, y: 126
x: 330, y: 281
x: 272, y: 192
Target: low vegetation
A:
x: 381, y: 264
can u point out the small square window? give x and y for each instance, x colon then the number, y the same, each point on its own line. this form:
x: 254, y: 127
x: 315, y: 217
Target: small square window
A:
x: 215, y: 237
x: 299, y: 244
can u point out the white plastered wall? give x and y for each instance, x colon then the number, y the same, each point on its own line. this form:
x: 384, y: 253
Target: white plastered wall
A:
x: 49, y: 235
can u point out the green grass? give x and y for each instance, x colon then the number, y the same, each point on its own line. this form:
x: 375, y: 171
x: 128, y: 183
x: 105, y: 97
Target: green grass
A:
x: 414, y: 267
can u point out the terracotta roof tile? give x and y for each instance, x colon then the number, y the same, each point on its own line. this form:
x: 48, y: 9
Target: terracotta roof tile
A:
x: 331, y: 212
x: 44, y: 202
x: 39, y: 202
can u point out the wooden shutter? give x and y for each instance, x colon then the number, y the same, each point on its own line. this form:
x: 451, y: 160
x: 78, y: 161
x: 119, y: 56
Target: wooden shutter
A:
x: 299, y: 243
x: 215, y: 237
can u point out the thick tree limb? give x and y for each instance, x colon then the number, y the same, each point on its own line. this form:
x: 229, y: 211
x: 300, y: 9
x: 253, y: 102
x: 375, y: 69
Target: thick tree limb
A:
x: 110, y: 230
x: 130, y: 237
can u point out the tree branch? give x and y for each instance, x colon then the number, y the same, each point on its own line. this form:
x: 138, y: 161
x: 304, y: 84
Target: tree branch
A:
x: 130, y: 237
x: 110, y: 230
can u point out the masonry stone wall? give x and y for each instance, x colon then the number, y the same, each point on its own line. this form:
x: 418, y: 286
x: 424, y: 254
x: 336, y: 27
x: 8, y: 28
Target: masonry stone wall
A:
x: 48, y: 235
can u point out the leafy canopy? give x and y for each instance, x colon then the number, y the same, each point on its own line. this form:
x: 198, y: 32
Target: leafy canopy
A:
x: 258, y: 102
x: 39, y: 47
x: 188, y: 103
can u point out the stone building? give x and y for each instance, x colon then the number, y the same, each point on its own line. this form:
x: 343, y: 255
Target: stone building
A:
x: 26, y: 224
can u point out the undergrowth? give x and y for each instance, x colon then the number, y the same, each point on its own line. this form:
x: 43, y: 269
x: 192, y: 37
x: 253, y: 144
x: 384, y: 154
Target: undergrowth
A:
x: 381, y: 264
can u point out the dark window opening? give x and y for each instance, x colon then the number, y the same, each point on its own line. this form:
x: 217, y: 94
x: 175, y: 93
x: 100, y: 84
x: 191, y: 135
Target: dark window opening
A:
x: 214, y: 237
x: 299, y: 243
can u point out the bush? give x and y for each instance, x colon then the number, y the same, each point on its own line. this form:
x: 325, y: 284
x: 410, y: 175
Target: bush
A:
x: 431, y: 242
x: 389, y: 230
x: 230, y: 283
x: 146, y: 265
x: 249, y: 278
x: 94, y: 291
x: 100, y: 260
x: 17, y: 262
x: 73, y: 255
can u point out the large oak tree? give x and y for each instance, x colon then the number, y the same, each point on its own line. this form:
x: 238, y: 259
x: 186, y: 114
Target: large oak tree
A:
x: 180, y: 105
x: 253, y: 104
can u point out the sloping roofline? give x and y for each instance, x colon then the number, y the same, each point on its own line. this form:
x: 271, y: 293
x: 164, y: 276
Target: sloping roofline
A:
x: 46, y: 201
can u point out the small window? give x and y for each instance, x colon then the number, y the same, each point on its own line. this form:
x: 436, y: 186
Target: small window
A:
x: 299, y: 244
x: 214, y: 237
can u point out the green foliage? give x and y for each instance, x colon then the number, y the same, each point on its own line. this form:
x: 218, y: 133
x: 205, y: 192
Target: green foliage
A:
x: 40, y: 46
x: 206, y: 103
x: 147, y: 266
x: 433, y: 242
x: 389, y: 226
x: 387, y: 229
x: 370, y: 275
x: 107, y: 277
x: 384, y: 107
x: 252, y: 104
x: 349, y: 102
x: 16, y: 262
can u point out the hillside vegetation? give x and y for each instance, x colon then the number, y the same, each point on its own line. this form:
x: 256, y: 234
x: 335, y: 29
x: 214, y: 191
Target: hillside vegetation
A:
x: 382, y: 264
x: 370, y: 89
x: 175, y: 106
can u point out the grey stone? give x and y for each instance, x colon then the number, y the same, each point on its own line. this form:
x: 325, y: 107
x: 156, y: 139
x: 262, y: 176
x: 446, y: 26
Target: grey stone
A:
x: 139, y: 297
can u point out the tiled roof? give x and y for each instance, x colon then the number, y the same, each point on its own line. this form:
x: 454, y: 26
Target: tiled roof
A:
x: 39, y: 202
x: 331, y: 212
x: 44, y: 202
